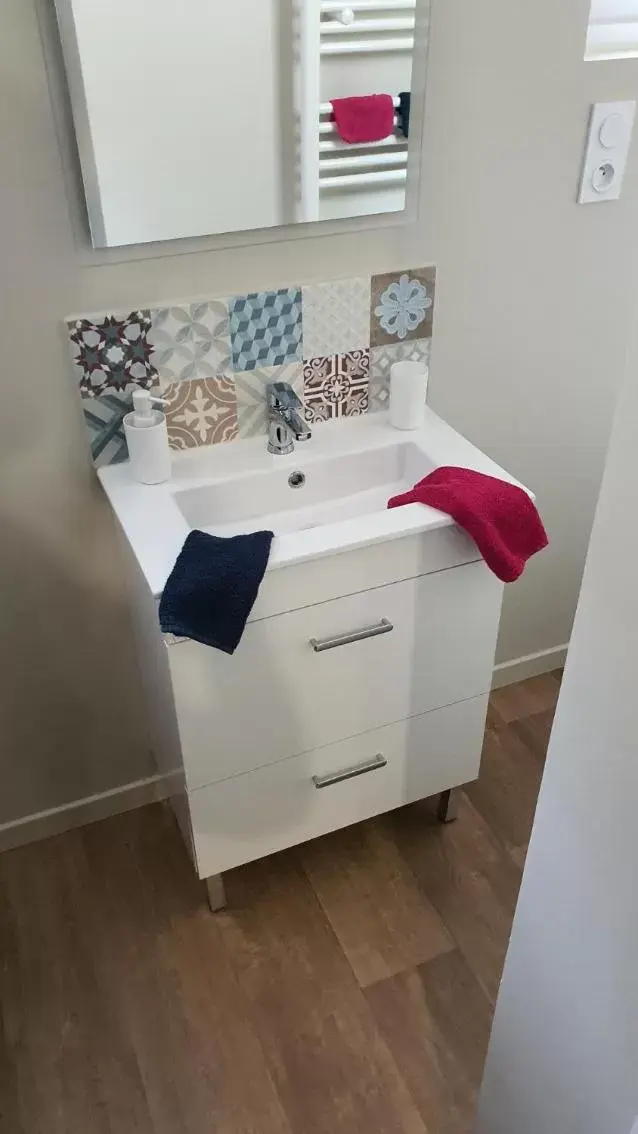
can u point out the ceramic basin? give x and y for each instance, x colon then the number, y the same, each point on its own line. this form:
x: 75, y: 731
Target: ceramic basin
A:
x: 350, y: 469
x: 323, y: 490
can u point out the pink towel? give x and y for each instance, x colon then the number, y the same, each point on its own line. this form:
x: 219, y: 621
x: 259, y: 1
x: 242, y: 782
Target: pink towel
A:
x: 500, y: 517
x: 366, y: 119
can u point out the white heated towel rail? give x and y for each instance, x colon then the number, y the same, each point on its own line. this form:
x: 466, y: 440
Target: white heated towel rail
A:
x: 360, y: 166
x: 325, y: 108
x: 364, y: 34
x: 326, y: 163
x: 397, y: 23
x: 378, y: 180
x: 331, y: 7
x: 308, y: 94
x: 367, y: 46
x: 347, y: 163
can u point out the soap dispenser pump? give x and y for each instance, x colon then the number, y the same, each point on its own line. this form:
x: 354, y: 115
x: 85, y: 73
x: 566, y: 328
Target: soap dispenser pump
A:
x: 147, y: 439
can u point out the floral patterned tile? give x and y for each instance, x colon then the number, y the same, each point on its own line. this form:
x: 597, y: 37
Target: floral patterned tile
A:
x: 250, y: 390
x: 113, y: 354
x: 265, y: 328
x: 381, y: 359
x: 336, y: 386
x: 190, y: 341
x: 201, y: 411
x: 336, y: 317
x: 402, y: 306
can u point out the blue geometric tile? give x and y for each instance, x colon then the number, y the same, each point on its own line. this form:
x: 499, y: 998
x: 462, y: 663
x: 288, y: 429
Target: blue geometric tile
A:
x: 103, y: 417
x: 265, y: 328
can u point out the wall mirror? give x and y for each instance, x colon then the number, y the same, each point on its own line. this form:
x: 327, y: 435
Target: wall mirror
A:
x: 198, y: 117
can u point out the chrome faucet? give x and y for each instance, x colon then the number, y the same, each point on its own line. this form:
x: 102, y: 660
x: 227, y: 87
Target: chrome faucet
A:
x: 285, y: 419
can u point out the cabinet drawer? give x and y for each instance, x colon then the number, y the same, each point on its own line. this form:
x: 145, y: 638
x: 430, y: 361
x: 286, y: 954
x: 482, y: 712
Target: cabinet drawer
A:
x: 321, y: 580
x: 313, y: 676
x: 266, y: 810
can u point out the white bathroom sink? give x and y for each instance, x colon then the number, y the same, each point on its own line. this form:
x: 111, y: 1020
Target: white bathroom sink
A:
x: 323, y: 490
x: 349, y: 469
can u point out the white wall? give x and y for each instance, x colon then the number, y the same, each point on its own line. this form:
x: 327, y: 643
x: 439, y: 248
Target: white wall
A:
x: 532, y: 311
x: 182, y: 103
x: 376, y: 73
x: 564, y: 1049
x: 534, y: 292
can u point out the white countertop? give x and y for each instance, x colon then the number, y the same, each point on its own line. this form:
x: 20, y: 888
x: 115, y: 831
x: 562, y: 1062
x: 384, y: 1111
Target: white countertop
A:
x: 156, y: 528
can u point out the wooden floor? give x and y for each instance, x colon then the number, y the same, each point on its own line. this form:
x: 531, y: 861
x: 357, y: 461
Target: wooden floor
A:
x: 348, y: 988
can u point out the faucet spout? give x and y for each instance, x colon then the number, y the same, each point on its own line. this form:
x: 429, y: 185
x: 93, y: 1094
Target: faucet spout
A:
x: 298, y: 426
x: 285, y: 419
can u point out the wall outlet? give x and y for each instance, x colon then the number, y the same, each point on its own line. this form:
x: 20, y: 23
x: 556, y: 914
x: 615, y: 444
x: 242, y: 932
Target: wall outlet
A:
x: 608, y: 142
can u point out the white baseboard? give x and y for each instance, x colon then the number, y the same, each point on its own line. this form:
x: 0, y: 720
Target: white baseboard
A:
x: 55, y: 821
x: 531, y: 665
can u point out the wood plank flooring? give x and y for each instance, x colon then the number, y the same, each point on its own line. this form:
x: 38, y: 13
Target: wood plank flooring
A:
x: 348, y: 988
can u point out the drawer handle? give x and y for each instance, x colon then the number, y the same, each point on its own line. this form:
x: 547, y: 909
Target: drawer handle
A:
x: 372, y: 765
x: 382, y: 627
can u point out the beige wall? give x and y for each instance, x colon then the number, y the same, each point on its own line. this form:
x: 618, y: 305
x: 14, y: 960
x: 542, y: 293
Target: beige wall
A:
x: 530, y: 333
x: 564, y: 1048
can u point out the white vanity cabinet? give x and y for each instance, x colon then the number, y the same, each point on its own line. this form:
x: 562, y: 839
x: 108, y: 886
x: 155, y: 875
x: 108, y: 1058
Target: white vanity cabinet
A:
x: 285, y: 803
x: 362, y: 676
x: 339, y: 709
x: 311, y: 677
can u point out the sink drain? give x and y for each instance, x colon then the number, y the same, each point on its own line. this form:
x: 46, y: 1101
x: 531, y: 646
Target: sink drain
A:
x: 297, y: 479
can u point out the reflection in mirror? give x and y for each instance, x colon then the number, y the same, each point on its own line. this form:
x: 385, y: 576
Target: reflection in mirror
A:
x: 612, y: 30
x: 194, y: 117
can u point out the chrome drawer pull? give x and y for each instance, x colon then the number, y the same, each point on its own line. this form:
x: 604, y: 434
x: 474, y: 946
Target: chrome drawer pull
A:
x: 372, y: 765
x: 382, y: 627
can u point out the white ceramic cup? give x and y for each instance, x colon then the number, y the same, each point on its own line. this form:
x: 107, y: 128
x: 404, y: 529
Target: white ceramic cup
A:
x: 408, y: 389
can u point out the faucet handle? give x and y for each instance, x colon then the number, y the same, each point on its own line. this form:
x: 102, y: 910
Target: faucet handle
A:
x: 282, y: 395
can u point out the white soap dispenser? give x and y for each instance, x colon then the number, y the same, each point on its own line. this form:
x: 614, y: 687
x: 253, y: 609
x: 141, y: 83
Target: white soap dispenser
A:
x: 147, y: 440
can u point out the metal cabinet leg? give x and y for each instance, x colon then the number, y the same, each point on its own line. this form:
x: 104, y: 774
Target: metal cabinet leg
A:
x: 216, y: 892
x: 448, y: 805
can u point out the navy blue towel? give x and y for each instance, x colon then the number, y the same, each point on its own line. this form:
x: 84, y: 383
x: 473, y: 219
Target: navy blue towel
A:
x: 213, y: 586
x: 404, y: 112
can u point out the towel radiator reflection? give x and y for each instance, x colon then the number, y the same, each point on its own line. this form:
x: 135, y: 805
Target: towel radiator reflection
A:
x: 369, y: 165
x: 368, y: 27
x: 327, y: 165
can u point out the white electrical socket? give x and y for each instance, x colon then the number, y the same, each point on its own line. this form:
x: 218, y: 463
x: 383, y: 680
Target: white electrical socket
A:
x: 608, y: 142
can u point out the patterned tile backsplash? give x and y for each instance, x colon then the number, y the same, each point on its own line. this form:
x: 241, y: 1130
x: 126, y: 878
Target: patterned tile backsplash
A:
x: 401, y: 306
x: 112, y: 355
x: 265, y: 328
x: 201, y: 411
x: 190, y: 342
x: 336, y: 386
x: 250, y: 392
x: 381, y: 359
x: 336, y: 317
x: 212, y: 360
